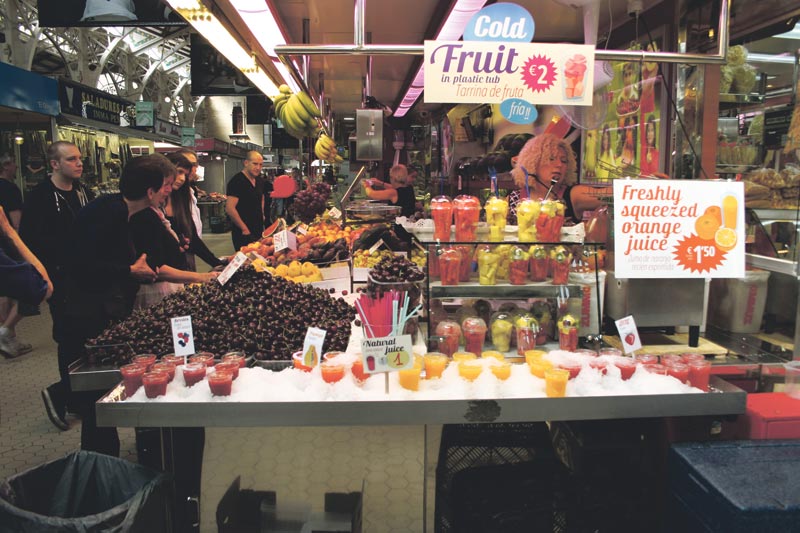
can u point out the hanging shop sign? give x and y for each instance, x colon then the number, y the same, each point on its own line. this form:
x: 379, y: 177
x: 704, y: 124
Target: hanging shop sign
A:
x: 83, y: 101
x: 167, y: 128
x: 187, y: 137
x: 145, y: 115
x: 678, y: 229
x: 21, y: 89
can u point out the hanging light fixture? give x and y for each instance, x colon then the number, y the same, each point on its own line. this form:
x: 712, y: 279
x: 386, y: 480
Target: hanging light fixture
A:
x: 19, y: 137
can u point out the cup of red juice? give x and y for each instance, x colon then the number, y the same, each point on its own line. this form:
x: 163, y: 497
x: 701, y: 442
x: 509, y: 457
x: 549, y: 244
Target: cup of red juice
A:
x: 176, y: 360
x: 235, y: 357
x: 671, y: 358
x: 132, y: 377
x: 573, y: 368
x: 229, y: 366
x: 656, y: 368
x: 699, y: 374
x: 205, y: 358
x: 647, y: 359
x: 155, y: 384
x: 146, y: 359
x: 220, y: 382
x: 193, y: 373
x: 678, y: 371
x: 626, y: 365
x: 689, y: 357
x: 169, y: 368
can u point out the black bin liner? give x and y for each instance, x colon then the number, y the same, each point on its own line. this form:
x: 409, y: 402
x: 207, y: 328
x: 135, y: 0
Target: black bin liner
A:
x: 86, y: 492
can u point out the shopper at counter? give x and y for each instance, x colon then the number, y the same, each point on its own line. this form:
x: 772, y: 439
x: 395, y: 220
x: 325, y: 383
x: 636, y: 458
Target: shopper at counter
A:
x: 47, y: 218
x: 398, y: 192
x: 550, y: 166
x: 245, y: 204
x: 102, y: 277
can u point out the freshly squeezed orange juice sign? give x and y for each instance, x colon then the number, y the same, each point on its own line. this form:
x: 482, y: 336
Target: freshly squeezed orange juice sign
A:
x: 678, y: 229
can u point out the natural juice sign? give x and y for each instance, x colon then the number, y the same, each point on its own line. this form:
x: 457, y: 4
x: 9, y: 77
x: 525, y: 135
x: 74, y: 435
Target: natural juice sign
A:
x: 678, y: 229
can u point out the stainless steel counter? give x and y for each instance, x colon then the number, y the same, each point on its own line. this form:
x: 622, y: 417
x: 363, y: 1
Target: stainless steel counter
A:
x: 86, y: 377
x: 726, y: 399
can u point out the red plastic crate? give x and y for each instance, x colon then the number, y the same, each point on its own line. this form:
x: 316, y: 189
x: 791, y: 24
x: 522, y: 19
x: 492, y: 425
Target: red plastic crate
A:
x: 773, y: 415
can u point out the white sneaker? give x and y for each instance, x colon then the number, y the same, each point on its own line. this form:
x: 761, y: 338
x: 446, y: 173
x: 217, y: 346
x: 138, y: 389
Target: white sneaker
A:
x: 9, y: 346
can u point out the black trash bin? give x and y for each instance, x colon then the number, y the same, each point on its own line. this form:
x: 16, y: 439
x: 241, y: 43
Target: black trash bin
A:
x: 86, y: 492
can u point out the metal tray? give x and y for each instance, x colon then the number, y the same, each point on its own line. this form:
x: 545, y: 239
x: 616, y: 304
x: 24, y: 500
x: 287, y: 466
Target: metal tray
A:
x: 372, y: 212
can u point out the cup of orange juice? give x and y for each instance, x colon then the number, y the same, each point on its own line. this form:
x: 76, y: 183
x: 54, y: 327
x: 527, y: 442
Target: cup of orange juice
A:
x: 501, y: 370
x: 540, y: 366
x: 534, y: 355
x: 409, y: 378
x: 555, y: 382
x: 435, y: 363
x: 458, y: 357
x: 493, y: 354
x: 469, y: 370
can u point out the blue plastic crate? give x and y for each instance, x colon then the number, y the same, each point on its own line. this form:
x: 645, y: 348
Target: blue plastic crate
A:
x: 732, y: 487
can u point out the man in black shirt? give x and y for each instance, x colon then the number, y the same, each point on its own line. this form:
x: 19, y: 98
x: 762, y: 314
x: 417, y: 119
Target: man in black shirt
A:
x: 50, y: 210
x: 245, y: 205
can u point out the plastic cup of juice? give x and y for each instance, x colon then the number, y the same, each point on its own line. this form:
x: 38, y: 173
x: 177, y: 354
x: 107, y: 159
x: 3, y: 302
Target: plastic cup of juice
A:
x: 474, y: 329
x: 678, y: 371
x: 331, y: 372
x: 435, y: 363
x: 442, y: 215
x: 540, y: 366
x: 176, y: 360
x: 469, y: 370
x: 467, y: 210
x: 297, y: 360
x: 231, y: 366
x: 699, y: 374
x: 236, y: 357
x: 626, y: 365
x: 146, y: 359
x: 534, y: 355
x: 647, y: 359
x: 555, y: 382
x: 203, y: 358
x: 451, y: 331
x: 459, y: 357
x: 450, y: 266
x: 610, y: 351
x: 169, y: 368
x: 656, y: 368
x: 687, y: 358
x: 501, y: 370
x: 194, y: 373
x: 155, y: 384
x: 220, y: 382
x: 358, y: 369
x: 409, y: 378
x: 493, y: 354
x: 132, y: 377
x: 671, y: 358
x: 573, y: 368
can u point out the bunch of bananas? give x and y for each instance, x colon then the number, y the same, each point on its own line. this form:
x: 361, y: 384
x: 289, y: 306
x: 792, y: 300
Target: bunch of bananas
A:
x: 297, y: 112
x: 325, y: 149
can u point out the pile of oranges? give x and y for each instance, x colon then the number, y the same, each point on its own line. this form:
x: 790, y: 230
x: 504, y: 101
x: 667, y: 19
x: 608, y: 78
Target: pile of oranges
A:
x: 330, y: 231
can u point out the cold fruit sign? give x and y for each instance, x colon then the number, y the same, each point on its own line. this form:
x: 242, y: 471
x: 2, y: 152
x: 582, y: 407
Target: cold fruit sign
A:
x: 678, y: 229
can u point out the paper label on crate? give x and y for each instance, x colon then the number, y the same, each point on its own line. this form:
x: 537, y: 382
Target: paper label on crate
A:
x: 236, y: 263
x: 387, y: 354
x: 312, y: 346
x: 334, y: 213
x: 302, y: 229
x: 283, y: 240
x: 628, y: 334
x: 182, y: 336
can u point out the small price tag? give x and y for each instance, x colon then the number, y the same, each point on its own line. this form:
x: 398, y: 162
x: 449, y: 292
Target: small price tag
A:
x: 377, y: 245
x: 283, y: 240
x: 334, y: 213
x: 302, y: 229
x: 387, y: 354
x: 312, y: 346
x: 628, y: 334
x: 236, y: 263
x: 182, y: 336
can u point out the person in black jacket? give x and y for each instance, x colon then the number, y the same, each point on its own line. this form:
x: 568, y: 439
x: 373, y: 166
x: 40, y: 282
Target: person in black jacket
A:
x: 47, y: 218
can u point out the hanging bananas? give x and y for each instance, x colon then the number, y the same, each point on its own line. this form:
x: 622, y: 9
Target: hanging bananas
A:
x: 325, y: 149
x: 297, y: 112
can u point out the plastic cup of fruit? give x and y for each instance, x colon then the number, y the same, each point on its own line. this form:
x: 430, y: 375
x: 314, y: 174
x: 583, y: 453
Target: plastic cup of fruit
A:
x: 467, y: 211
x: 194, y: 373
x: 699, y: 374
x: 501, y: 370
x: 204, y: 358
x: 691, y: 357
x: 459, y: 357
x: 540, y: 366
x: 229, y: 366
x: 155, y: 384
x: 450, y: 266
x: 560, y: 272
x: 573, y: 368
x: 358, y: 369
x: 555, y: 382
x: 409, y: 378
x: 331, y: 372
x: 465, y: 266
x: 297, y: 360
x: 469, y: 370
x: 132, y: 377
x: 169, y: 368
x: 493, y: 354
x: 526, y: 339
x: 236, y: 357
x: 678, y: 371
x: 176, y: 360
x: 435, y: 363
x: 220, y: 382
x: 568, y: 338
x: 501, y: 334
x: 474, y: 329
x: 527, y: 213
x: 538, y: 263
x: 656, y: 368
x: 451, y: 331
x: 518, y: 271
x: 647, y: 359
x: 610, y: 351
x: 627, y: 366
x: 442, y: 215
x: 671, y: 358
x: 147, y: 359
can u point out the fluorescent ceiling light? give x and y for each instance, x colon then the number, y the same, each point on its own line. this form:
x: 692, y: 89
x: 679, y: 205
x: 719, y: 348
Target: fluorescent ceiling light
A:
x: 265, y: 28
x: 451, y: 30
x: 794, y: 33
x: 349, y: 119
x: 220, y: 38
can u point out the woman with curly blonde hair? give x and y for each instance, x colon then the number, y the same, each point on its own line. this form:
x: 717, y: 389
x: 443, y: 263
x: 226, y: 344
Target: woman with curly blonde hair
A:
x: 548, y: 161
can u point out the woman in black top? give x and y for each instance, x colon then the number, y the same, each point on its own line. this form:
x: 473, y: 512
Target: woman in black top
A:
x: 179, y: 214
x: 400, y: 191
